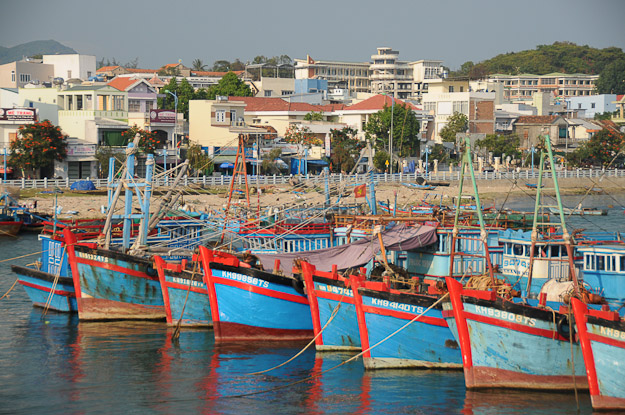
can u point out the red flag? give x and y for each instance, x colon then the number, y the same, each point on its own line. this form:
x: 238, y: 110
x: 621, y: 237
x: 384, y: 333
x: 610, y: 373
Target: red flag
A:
x: 360, y: 191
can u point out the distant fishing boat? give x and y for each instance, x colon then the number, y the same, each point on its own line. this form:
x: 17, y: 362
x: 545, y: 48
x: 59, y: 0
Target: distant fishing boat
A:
x: 532, y: 185
x: 581, y: 211
x: 419, y: 186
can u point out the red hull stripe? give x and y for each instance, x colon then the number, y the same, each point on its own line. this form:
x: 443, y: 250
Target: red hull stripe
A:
x: 261, y: 291
x: 48, y: 289
x: 334, y: 297
x: 606, y: 340
x: 115, y: 268
x: 551, y: 334
x: 432, y: 321
x: 185, y: 287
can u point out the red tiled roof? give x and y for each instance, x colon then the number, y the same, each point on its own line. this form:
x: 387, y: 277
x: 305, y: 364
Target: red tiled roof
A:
x: 107, y: 68
x: 215, y: 74
x: 137, y: 70
x: 536, y: 119
x: 278, y: 104
x: 619, y: 98
x: 377, y: 103
x: 122, y: 83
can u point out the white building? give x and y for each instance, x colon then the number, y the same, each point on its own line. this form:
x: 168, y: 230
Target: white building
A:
x: 72, y: 66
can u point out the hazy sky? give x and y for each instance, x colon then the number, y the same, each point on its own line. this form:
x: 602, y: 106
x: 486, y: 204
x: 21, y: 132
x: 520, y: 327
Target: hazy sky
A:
x: 160, y: 32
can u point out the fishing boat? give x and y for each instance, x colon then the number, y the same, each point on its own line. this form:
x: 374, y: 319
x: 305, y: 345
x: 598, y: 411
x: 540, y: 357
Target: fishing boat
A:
x: 602, y: 338
x: 418, y: 186
x: 580, y: 211
x: 250, y: 304
x: 10, y: 223
x: 603, y: 270
x: 184, y: 292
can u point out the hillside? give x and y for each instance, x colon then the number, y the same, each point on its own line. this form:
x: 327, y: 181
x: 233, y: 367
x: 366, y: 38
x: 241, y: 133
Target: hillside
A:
x: 37, y: 47
x: 564, y: 57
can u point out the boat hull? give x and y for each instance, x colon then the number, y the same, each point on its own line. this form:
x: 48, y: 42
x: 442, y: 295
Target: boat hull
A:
x: 423, y: 343
x: 10, y: 228
x: 252, y: 305
x: 39, y: 285
x: 602, y: 336
x: 115, y: 286
x: 507, y: 345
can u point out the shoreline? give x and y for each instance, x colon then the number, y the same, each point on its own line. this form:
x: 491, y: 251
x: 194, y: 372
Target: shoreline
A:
x: 87, y: 205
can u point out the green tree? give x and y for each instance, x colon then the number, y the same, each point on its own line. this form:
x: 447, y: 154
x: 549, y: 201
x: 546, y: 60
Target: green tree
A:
x: 229, y: 85
x: 221, y: 66
x: 500, y: 144
x: 612, y: 78
x: 438, y: 152
x: 198, y: 65
x: 103, y: 154
x: 380, y: 159
x: 601, y: 149
x: 167, y: 101
x: 149, y: 141
x: 296, y: 134
x: 38, y: 146
x: 314, y: 116
x: 269, y: 165
x: 199, y: 160
x: 456, y: 123
x: 405, y: 130
x: 345, y: 149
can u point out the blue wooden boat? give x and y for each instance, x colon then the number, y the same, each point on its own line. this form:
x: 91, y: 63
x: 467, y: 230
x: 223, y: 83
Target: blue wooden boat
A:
x: 248, y: 304
x: 424, y: 343
x: 330, y: 296
x: 512, y: 345
x: 184, y: 293
x: 603, y: 270
x: 602, y: 337
x: 419, y: 186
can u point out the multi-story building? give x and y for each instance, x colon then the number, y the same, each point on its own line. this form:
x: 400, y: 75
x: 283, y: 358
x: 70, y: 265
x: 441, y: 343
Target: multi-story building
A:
x: 20, y: 73
x: 593, y: 104
x: 72, y: 66
x: 524, y: 86
x: 353, y: 76
x: 389, y: 75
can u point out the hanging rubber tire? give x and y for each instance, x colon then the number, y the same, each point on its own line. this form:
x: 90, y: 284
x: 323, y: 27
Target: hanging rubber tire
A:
x: 564, y: 328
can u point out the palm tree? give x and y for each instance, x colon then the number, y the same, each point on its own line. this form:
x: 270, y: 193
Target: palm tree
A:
x: 198, y: 65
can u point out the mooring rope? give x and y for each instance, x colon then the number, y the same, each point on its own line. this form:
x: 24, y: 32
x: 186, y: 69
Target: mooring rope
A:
x: 340, y: 364
x: 54, y: 284
x: 7, y: 293
x: 176, y: 334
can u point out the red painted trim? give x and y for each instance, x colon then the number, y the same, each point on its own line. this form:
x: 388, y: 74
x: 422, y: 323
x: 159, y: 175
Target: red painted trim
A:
x: 307, y: 271
x: 185, y: 287
x: 160, y: 264
x: 606, y: 340
x: 207, y: 257
x: 580, y: 310
x: 455, y: 288
x: 261, y: 291
x: 48, y: 289
x: 70, y: 241
x: 360, y: 316
x: 116, y: 268
x: 334, y: 297
x: 402, y: 315
x: 549, y: 334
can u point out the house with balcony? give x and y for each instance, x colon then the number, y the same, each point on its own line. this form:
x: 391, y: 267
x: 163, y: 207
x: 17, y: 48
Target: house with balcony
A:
x: 531, y: 128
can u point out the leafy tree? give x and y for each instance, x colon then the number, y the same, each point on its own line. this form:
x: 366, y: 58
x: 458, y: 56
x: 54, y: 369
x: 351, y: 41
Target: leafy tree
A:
x: 501, y: 144
x: 38, y: 146
x: 221, y: 66
x: 134, y: 63
x: 199, y: 160
x: 345, y: 149
x: 269, y: 166
x: 604, y: 115
x: 198, y: 65
x: 314, y: 116
x: 296, y: 134
x: 237, y: 65
x: 457, y: 123
x: 405, y: 129
x: 148, y: 142
x: 612, y: 78
x: 168, y: 101
x: 229, y: 85
x: 379, y: 160
x: 438, y: 152
x: 599, y: 150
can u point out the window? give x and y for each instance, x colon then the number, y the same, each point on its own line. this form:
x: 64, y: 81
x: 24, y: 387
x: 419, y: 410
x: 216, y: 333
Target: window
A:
x: 118, y: 103
x: 592, y: 105
x: 600, y: 263
x: 451, y: 88
x: 24, y: 77
x: 12, y: 76
x: 149, y: 105
x: 589, y: 264
x: 517, y: 249
x: 134, y: 105
x: 622, y: 268
x: 220, y: 115
x: 88, y: 74
x: 69, y: 74
x: 268, y: 92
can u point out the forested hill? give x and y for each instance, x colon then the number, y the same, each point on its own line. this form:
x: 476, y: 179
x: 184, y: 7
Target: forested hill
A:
x: 564, y: 57
x: 37, y: 47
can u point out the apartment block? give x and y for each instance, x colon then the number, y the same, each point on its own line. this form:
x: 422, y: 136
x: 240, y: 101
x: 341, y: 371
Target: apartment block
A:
x: 525, y: 86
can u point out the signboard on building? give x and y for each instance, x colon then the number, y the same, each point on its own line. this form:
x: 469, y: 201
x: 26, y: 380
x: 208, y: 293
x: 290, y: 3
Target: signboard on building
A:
x: 163, y: 116
x: 18, y: 114
x: 80, y: 150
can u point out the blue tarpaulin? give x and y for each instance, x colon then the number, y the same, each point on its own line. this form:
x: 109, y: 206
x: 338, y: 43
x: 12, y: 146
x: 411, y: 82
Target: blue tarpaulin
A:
x: 83, y: 185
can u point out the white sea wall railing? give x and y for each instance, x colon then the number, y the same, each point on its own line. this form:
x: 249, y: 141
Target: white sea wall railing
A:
x: 207, y: 181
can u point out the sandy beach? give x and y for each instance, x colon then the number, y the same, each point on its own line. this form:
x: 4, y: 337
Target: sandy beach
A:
x: 88, y: 205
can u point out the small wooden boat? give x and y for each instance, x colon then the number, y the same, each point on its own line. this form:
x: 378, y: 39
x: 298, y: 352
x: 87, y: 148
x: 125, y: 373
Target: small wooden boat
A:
x: 419, y: 186
x: 581, y: 211
x: 532, y: 185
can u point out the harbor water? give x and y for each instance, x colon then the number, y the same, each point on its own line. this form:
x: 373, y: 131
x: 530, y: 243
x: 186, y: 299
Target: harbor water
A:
x: 53, y: 364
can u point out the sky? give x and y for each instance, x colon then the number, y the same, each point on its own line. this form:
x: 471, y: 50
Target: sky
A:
x: 158, y: 32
